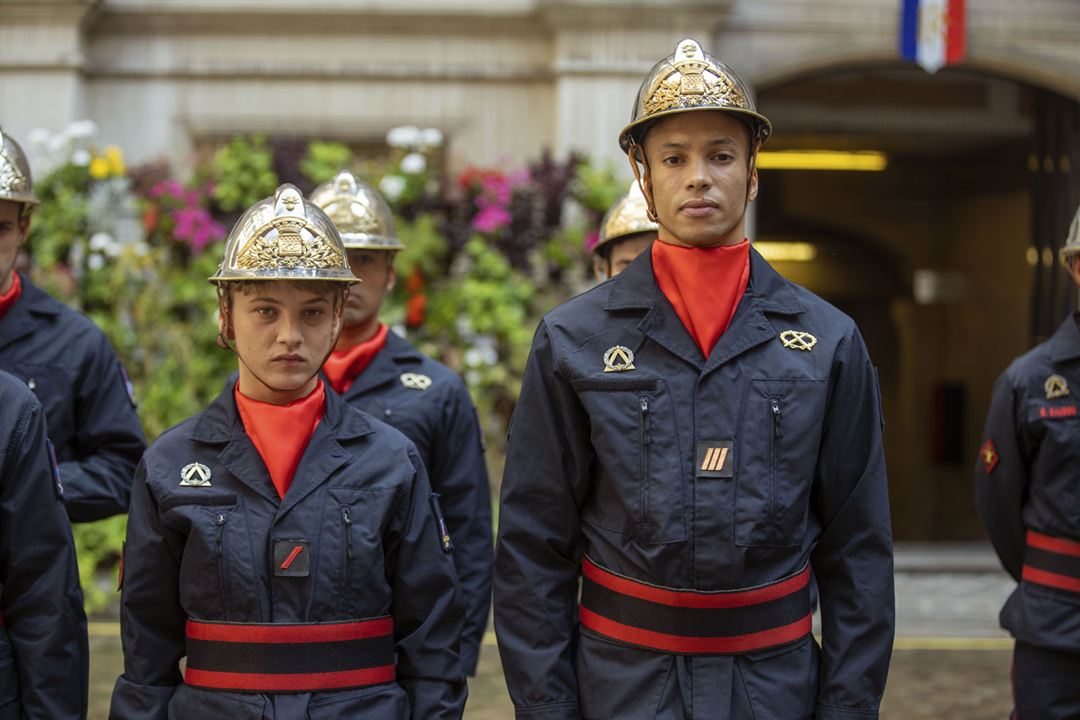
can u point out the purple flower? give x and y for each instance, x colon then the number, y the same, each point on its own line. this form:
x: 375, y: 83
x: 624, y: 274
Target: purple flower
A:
x: 167, y: 187
x: 195, y: 226
x: 491, y: 219
x: 591, y: 239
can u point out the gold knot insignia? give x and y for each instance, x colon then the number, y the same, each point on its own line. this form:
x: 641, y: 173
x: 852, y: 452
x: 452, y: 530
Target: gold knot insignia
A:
x: 798, y: 340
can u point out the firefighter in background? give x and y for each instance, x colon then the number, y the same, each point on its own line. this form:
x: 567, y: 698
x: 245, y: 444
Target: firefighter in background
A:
x: 626, y: 232
x: 43, y: 647
x: 68, y: 363
x: 282, y: 541
x: 1028, y: 498
x: 380, y: 373
x: 693, y: 439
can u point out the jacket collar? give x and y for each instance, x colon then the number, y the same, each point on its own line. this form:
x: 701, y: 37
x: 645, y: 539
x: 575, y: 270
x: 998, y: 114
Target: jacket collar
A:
x: 1065, y: 342
x: 385, y: 366
x: 20, y: 319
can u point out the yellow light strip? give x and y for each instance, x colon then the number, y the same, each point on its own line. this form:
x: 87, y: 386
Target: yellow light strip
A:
x: 777, y: 251
x: 864, y: 160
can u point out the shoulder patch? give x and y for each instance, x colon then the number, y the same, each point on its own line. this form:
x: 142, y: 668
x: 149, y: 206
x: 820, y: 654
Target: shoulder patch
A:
x: 988, y: 455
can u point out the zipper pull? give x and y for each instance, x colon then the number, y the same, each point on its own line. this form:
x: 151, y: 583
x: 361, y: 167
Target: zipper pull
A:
x: 348, y: 532
x: 774, y: 403
x: 644, y: 420
x: 220, y: 522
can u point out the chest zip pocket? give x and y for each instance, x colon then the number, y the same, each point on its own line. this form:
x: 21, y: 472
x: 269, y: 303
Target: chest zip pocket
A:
x: 777, y: 415
x: 346, y: 529
x: 644, y: 445
x: 219, y: 553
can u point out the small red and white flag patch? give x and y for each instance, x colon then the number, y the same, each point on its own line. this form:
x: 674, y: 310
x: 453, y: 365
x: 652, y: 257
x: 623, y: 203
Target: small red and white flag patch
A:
x: 988, y: 454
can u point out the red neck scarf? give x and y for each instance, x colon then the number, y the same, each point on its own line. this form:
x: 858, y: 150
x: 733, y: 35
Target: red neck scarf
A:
x: 344, y: 366
x: 704, y: 285
x: 8, y: 299
x: 281, y: 432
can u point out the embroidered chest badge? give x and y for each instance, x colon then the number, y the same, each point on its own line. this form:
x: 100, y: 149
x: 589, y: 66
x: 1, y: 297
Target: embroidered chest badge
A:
x: 1056, y: 387
x: 618, y: 359
x: 415, y: 381
x: 988, y: 454
x: 195, y: 475
x: 798, y: 340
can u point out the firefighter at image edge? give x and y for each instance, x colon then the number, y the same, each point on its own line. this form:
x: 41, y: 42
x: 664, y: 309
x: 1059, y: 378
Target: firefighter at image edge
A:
x: 68, y: 363
x: 379, y: 372
x: 1028, y: 498
x: 695, y: 439
x: 282, y: 541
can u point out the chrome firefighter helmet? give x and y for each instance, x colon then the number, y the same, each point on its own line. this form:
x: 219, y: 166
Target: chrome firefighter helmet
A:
x: 16, y: 184
x: 361, y: 215
x: 629, y: 216
x: 1072, y: 241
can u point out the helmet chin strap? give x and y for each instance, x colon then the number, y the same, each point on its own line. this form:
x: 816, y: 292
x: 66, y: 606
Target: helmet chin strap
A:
x: 225, y: 345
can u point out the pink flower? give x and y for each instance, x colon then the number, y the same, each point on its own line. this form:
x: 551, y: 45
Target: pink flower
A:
x: 491, y: 219
x: 591, y: 239
x: 195, y: 226
x: 167, y: 187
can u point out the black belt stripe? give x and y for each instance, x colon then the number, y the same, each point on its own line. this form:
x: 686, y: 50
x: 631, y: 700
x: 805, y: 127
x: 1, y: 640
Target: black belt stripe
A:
x: 695, y: 622
x: 284, y: 658
x: 1052, y: 562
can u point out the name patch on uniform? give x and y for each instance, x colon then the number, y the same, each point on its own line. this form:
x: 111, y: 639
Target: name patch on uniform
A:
x: 715, y: 458
x: 1057, y: 412
x: 292, y: 558
x: 988, y: 454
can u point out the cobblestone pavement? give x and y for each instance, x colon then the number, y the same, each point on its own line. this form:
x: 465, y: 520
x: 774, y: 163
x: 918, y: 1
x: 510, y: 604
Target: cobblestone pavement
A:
x: 951, y: 659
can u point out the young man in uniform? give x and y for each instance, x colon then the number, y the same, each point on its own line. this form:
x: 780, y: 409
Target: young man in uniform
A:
x: 43, y: 647
x: 286, y: 543
x: 382, y: 374
x: 68, y: 363
x: 693, y: 441
x: 626, y: 232
x: 1028, y: 497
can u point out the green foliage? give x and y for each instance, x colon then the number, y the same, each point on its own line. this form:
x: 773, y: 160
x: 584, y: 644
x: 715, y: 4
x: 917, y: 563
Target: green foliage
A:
x: 60, y: 221
x: 243, y: 173
x: 324, y: 159
x: 598, y: 187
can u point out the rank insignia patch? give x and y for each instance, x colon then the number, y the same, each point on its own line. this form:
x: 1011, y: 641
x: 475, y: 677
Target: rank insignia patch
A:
x: 618, y: 359
x: 415, y: 381
x: 715, y: 459
x: 291, y: 558
x: 1055, y: 387
x: 798, y: 340
x: 195, y: 475
x: 988, y: 454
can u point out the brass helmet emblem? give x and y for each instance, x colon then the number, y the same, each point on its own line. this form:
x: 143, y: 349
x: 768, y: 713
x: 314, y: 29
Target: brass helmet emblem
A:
x: 16, y: 183
x: 284, y: 237
x: 1072, y: 241
x: 361, y: 215
x: 690, y: 79
x: 628, y: 216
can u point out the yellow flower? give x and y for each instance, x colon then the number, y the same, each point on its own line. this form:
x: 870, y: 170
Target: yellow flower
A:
x: 99, y: 168
x: 115, y: 158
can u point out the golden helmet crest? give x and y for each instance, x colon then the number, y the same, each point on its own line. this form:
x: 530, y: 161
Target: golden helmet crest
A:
x: 284, y: 237
x: 1072, y: 241
x: 628, y: 216
x: 15, y: 181
x: 361, y: 215
x: 691, y: 79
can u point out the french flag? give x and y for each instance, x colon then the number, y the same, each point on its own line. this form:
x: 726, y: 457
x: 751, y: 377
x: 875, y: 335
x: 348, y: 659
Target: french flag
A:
x: 932, y: 32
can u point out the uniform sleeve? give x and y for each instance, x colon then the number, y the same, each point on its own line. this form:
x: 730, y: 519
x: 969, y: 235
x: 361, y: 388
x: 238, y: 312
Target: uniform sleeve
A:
x: 427, y: 611
x: 151, y: 619
x: 853, y: 559
x: 42, y: 603
x: 1001, y: 477
x: 537, y: 559
x: 109, y: 440
x: 459, y: 475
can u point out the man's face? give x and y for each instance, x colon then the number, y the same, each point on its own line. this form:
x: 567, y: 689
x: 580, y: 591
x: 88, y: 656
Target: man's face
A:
x: 282, y: 332
x: 13, y: 230
x: 375, y: 268
x: 700, y: 177
x: 620, y: 256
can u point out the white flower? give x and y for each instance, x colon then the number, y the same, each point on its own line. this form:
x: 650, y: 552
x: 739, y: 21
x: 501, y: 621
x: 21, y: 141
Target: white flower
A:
x: 392, y: 186
x: 38, y: 137
x: 473, y: 357
x: 81, y: 157
x: 413, y: 163
x: 431, y: 137
x: 95, y: 262
x: 405, y: 136
x: 57, y: 145
x: 81, y: 130
x: 100, y: 241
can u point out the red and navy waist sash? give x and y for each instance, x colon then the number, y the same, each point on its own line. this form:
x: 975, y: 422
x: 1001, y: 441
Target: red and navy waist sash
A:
x: 282, y: 658
x: 694, y: 622
x: 1052, y: 561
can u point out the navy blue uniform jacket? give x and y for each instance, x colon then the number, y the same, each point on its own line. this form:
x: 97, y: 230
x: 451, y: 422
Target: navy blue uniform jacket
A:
x: 43, y: 648
x: 206, y: 553
x: 71, y: 367
x: 436, y: 413
x: 604, y: 463
x: 1029, y: 481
